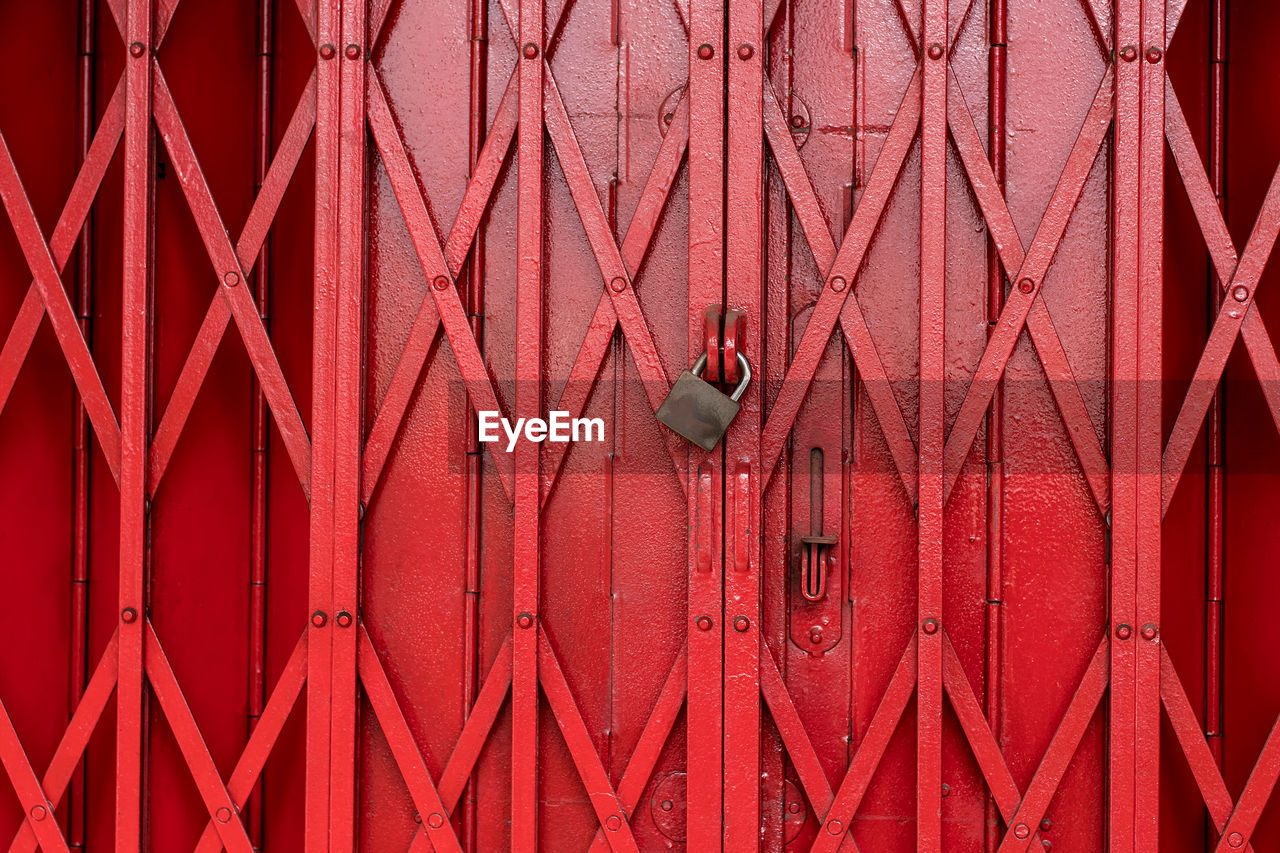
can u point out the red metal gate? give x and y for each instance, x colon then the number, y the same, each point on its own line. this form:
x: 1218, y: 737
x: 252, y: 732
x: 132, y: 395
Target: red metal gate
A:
x: 955, y: 579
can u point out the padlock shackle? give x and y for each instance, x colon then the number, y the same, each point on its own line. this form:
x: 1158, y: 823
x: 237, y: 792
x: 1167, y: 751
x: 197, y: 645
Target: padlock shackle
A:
x: 744, y: 370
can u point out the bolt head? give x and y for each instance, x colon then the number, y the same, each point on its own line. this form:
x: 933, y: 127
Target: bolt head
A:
x: 793, y: 808
x: 38, y: 812
x: 1235, y: 839
x: 525, y: 620
x: 128, y: 615
x: 1021, y: 830
x: 137, y: 49
x: 613, y: 823
x: 935, y: 51
x: 327, y: 51
x: 1240, y: 293
x: 1026, y: 285
x: 353, y: 51
x: 838, y: 283
x: 1154, y: 54
x: 435, y: 820
x: 930, y: 626
x: 1047, y: 844
x: 441, y: 282
x: 618, y: 284
x: 319, y: 619
x: 1148, y: 632
x: 231, y: 279
x: 741, y: 623
x: 834, y: 827
x: 797, y: 122
x: 946, y: 789
x: 223, y: 814
x: 530, y: 51
x: 1128, y: 53
x: 706, y: 51
x: 1124, y: 632
x: 344, y: 619
x: 704, y: 623
x: 745, y: 52
x: 666, y: 805
x: 815, y: 636
x: 1046, y: 825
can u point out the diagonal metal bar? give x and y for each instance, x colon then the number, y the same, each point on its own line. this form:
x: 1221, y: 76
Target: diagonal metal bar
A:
x: 657, y: 729
x: 837, y: 820
x: 265, y: 734
x: 443, y: 289
x: 635, y: 245
x: 604, y: 799
x: 74, y: 739
x: 1229, y: 267
x: 1029, y: 276
x: 1257, y: 790
x: 213, y: 327
x: 1053, y: 358
x: 222, y: 810
x: 57, y: 305
x: 32, y: 798
x: 841, y: 268
x: 1191, y: 739
x: 426, y: 798
x: 1062, y: 747
x: 231, y: 273
x: 804, y: 758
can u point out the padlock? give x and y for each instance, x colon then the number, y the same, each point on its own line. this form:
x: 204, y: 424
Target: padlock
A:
x: 698, y: 410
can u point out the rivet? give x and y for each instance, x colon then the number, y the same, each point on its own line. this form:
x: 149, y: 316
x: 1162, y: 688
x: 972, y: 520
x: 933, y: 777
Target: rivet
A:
x: 745, y: 52
x: 525, y: 620
x: 38, y: 812
x: 935, y: 51
x: 667, y: 805
x: 417, y: 818
x: 1240, y: 293
x: 231, y: 279
x: 327, y: 51
x: 1123, y: 632
x: 1148, y: 631
x: 741, y: 623
x: 797, y: 122
x: 1021, y: 830
x: 618, y: 284
x: 441, y: 282
x: 1047, y: 844
x: 946, y: 789
x: 530, y: 51
x: 344, y: 619
x: 834, y: 827
x: 224, y: 814
x: 1154, y: 54
x: 838, y: 283
x: 1235, y: 839
x: 137, y: 49
x: 930, y: 626
x: 706, y: 51
x: 1128, y: 53
x: 1046, y: 825
x: 353, y: 51
x: 793, y: 808
x: 319, y: 619
x: 128, y: 615
x: 704, y: 623
x: 1026, y: 285
x: 815, y: 636
x: 435, y: 820
x: 613, y: 823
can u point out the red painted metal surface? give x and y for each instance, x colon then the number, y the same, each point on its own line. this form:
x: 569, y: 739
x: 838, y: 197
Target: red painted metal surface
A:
x: 986, y: 560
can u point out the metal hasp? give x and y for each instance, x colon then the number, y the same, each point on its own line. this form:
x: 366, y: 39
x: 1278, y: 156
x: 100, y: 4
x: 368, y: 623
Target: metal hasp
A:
x: 814, y: 557
x: 699, y: 411
x: 817, y: 599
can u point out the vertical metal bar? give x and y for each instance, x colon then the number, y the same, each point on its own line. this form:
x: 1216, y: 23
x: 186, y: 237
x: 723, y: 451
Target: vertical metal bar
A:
x: 133, y: 426
x: 744, y: 283
x: 348, y: 424
x: 86, y: 111
x: 1215, y: 505
x: 528, y: 490
x: 320, y: 592
x: 704, y: 717
x: 475, y: 310
x: 1124, y: 423
x: 996, y: 75
x: 258, y: 499
x: 1150, y: 436
x: 933, y: 221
